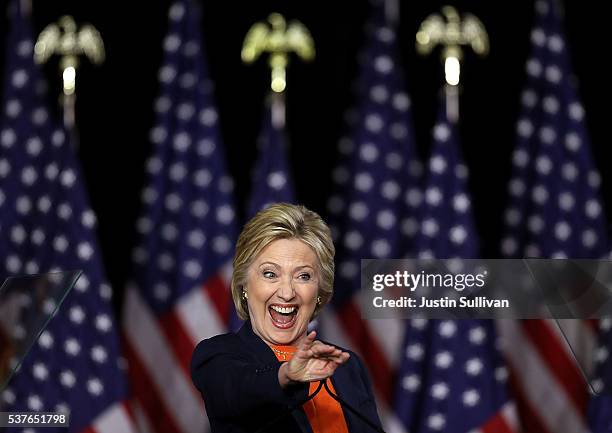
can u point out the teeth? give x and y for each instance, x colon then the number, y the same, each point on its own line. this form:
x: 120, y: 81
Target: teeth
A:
x: 284, y: 310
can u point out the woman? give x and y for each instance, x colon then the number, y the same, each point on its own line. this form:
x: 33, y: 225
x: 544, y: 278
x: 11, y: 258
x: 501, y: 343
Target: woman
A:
x: 261, y: 378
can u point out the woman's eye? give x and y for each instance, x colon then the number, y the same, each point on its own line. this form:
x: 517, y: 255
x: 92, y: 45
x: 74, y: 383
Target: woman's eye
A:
x: 304, y: 277
x: 269, y: 274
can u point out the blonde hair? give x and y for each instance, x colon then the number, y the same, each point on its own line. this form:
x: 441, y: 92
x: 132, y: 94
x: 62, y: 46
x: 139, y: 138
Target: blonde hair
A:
x: 283, y: 221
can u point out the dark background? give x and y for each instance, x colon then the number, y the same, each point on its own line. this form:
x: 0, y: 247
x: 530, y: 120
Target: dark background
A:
x: 114, y: 106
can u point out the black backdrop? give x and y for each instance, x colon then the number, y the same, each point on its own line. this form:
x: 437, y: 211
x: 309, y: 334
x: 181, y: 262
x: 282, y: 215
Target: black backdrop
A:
x: 114, y: 107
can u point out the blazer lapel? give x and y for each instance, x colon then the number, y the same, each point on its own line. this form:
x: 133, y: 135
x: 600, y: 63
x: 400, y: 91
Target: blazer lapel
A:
x: 265, y: 354
x: 343, y: 388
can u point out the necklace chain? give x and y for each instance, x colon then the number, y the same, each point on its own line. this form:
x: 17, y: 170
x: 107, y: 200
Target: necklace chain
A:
x: 281, y: 352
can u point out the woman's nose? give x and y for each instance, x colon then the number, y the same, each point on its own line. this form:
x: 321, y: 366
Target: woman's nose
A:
x: 286, y: 291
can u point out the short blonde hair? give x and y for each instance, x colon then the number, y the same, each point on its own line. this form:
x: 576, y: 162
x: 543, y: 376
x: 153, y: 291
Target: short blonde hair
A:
x: 283, y: 221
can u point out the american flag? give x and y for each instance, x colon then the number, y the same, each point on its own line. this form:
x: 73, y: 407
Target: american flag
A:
x: 179, y: 293
x: 554, y: 211
x: 452, y: 378
x: 600, y: 407
x: 271, y: 175
x: 48, y: 225
x: 373, y: 208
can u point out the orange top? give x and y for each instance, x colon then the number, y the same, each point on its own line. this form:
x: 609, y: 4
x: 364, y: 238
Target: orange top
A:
x: 323, y: 412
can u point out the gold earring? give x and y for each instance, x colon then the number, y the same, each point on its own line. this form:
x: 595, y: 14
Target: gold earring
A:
x: 318, y: 300
x: 244, y: 294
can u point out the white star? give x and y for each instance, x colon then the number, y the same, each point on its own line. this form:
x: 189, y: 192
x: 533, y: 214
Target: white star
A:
x: 353, y: 240
x: 419, y: 324
x: 473, y: 367
x: 381, y: 248
x: 385, y: 219
x: 181, y: 141
x: 187, y: 80
x: 45, y: 340
x: 167, y: 73
x: 535, y: 224
x: 221, y: 244
x: 443, y: 359
x: 401, y: 101
x: 383, y: 64
x: 477, y: 335
x: 430, y: 227
x: 103, y: 322
x: 433, y: 196
x: 358, y: 211
x: 68, y: 178
x: 173, y: 202
x: 562, y: 230
x: 85, y: 251
x: 199, y: 209
x: 77, y: 315
x: 98, y: 354
x: 348, y: 270
x: 394, y: 161
x: 461, y: 203
x: 436, y: 421
x: 196, y: 239
x: 364, y: 182
x: 411, y: 383
x: 39, y: 371
x: 176, y: 12
x: 437, y: 164
x: 72, y: 347
x: 161, y: 291
x: 368, y: 152
x: 501, y: 374
x: 415, y: 352
x: 440, y: 391
x: 67, y: 378
x: 524, y: 128
x: 566, y: 201
x: 447, y: 329
x: 225, y: 214
x: 24, y: 205
x: 208, y: 116
x: 192, y: 269
x: 94, y: 386
x: 471, y: 398
x: 8, y: 396
x: 276, y: 180
x: 35, y: 402
x: 458, y: 234
x: 82, y: 283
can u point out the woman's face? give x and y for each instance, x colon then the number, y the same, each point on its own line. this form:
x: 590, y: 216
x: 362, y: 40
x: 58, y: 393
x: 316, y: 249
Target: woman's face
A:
x: 282, y: 287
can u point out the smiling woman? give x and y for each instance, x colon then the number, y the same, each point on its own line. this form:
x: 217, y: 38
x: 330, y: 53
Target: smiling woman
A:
x: 272, y: 375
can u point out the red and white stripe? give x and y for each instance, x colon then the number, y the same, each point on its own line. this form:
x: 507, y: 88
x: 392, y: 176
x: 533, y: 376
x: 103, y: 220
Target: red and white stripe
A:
x: 504, y: 421
x: 115, y: 419
x: 549, y: 388
x: 159, y: 352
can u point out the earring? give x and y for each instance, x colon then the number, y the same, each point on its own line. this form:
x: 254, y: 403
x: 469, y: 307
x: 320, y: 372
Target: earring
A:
x: 318, y: 300
x: 244, y: 294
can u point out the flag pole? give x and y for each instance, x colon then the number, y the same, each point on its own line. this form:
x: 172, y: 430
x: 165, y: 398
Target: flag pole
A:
x: 279, y: 39
x: 452, y: 31
x: 69, y: 42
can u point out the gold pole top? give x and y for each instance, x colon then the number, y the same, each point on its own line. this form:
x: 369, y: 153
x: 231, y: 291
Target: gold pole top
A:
x: 65, y: 39
x: 279, y: 39
x: 452, y: 31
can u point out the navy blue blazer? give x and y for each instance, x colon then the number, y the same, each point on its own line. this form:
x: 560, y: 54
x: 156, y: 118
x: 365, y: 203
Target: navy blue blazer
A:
x: 237, y: 375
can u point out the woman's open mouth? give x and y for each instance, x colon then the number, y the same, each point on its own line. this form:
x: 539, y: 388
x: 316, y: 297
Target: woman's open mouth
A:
x: 283, y: 316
